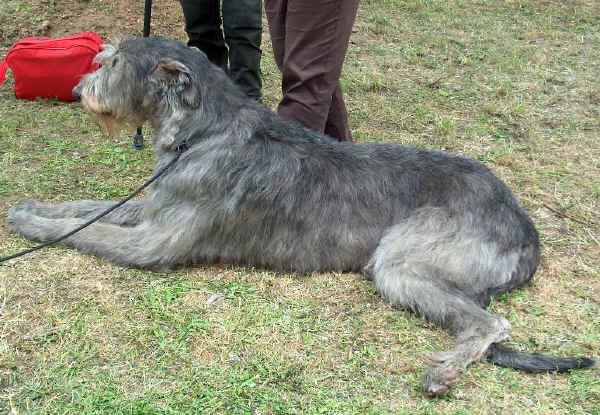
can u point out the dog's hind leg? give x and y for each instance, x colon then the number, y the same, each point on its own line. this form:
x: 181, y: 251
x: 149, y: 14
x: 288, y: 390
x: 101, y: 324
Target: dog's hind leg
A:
x: 441, y: 268
x: 424, y: 290
x: 129, y: 214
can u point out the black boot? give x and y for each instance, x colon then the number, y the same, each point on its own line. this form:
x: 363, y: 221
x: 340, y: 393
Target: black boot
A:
x: 203, y: 27
x: 242, y: 24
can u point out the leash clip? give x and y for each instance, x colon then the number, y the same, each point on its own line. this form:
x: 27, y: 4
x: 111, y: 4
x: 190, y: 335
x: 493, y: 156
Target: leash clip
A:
x: 138, y: 141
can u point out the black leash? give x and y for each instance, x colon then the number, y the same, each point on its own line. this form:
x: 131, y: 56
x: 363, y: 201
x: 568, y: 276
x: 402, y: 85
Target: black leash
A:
x: 147, y: 17
x: 180, y: 151
x: 138, y: 138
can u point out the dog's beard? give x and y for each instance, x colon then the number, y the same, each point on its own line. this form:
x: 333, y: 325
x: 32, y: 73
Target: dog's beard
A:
x: 110, y: 123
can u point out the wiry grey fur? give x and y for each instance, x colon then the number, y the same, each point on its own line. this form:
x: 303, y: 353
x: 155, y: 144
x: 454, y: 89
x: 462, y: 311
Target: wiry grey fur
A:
x: 437, y: 233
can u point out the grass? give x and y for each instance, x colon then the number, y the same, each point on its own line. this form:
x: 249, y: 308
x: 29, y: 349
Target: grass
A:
x: 511, y: 83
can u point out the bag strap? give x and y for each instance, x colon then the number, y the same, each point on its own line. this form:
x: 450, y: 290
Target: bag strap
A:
x: 83, y: 35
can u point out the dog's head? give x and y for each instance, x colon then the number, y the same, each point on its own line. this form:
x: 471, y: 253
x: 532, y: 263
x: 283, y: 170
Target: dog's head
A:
x: 163, y: 81
x: 135, y: 76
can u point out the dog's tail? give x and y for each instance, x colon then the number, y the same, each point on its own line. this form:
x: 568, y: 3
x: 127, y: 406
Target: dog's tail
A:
x: 534, y: 363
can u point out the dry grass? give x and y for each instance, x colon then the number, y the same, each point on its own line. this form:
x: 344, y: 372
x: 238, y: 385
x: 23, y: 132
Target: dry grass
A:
x: 511, y: 83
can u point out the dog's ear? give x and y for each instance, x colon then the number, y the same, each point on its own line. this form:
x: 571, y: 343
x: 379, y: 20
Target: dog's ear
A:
x: 178, y: 77
x: 172, y: 68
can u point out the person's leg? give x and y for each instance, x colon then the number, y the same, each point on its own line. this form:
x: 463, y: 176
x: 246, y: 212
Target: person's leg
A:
x: 276, y: 11
x: 337, y: 119
x: 242, y: 24
x: 315, y: 42
x: 203, y: 26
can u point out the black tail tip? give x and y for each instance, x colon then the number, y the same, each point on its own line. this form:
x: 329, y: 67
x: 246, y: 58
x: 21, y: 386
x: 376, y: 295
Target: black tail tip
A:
x: 535, y: 363
x: 561, y: 365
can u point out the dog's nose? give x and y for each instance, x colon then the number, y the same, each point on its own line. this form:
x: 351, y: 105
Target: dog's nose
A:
x: 76, y: 94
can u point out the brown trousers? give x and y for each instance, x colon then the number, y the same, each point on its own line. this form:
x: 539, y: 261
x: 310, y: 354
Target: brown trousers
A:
x: 310, y: 39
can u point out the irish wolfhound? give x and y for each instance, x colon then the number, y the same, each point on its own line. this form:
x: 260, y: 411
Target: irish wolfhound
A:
x: 437, y: 233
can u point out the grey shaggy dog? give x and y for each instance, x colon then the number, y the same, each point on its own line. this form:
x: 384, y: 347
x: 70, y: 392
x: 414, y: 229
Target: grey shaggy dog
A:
x: 437, y: 233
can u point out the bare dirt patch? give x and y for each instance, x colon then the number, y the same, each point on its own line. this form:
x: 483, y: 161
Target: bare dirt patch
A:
x: 108, y: 18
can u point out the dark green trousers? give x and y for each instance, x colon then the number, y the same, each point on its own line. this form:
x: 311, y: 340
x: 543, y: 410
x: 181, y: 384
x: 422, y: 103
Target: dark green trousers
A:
x: 236, y: 46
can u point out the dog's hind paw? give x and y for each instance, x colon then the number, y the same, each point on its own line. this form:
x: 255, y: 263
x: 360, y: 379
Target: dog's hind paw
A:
x: 441, y: 376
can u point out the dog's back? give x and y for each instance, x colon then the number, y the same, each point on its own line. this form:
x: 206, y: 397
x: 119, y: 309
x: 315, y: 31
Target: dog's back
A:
x: 298, y: 201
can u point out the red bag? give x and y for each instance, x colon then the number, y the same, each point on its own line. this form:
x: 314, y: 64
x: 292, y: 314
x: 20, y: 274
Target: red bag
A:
x: 50, y: 68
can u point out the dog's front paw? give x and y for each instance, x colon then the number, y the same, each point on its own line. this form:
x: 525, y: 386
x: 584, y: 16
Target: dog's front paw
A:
x: 27, y: 204
x: 18, y: 216
x: 22, y: 220
x: 34, y: 207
